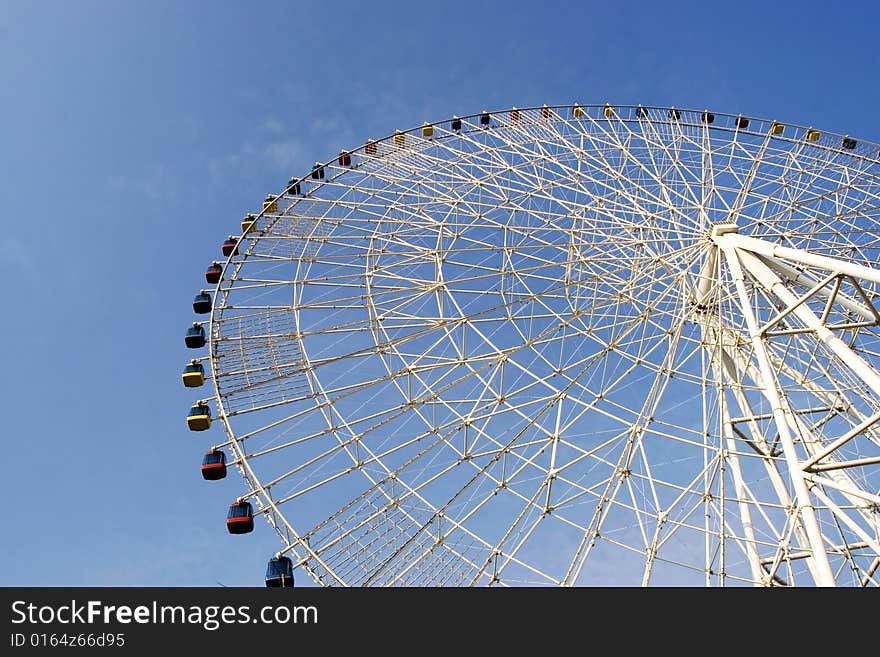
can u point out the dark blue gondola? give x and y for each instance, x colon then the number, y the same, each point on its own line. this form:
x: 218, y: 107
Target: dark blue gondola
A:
x: 455, y: 124
x: 240, y: 519
x: 485, y: 118
x: 202, y: 303
x: 213, y: 273
x: 294, y: 188
x: 195, y: 336
x: 279, y: 573
x: 318, y: 171
x: 230, y: 247
x: 214, y: 465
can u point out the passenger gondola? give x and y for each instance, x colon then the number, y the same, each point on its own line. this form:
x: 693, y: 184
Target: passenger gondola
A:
x: 202, y: 303
x: 230, y: 247
x: 248, y: 224
x: 214, y: 465
x: 193, y: 375
x: 199, y: 418
x: 240, y: 519
x: 213, y: 273
x: 195, y: 336
x: 279, y: 573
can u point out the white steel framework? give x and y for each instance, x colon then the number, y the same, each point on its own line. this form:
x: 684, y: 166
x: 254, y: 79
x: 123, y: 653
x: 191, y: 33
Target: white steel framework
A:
x: 577, y: 345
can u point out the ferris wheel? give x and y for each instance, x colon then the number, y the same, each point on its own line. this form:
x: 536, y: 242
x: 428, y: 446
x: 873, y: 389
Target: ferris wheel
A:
x: 570, y: 345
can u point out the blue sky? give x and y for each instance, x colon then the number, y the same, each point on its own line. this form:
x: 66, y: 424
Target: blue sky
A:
x: 136, y: 134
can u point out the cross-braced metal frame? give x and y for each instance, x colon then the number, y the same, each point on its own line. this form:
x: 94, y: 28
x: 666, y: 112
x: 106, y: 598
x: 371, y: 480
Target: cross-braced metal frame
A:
x: 570, y: 346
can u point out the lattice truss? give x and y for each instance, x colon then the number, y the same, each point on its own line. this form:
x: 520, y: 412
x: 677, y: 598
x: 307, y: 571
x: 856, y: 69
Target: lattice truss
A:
x: 622, y: 347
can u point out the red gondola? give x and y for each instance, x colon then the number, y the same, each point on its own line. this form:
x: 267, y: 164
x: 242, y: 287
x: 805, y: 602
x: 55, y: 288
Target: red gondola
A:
x: 370, y: 147
x: 240, y: 519
x: 214, y: 465
x: 344, y: 159
x: 545, y: 112
x: 742, y: 122
x: 213, y: 273
x: 230, y: 247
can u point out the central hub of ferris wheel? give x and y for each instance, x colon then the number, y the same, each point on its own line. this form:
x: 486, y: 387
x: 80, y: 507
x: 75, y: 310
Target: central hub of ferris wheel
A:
x: 478, y: 352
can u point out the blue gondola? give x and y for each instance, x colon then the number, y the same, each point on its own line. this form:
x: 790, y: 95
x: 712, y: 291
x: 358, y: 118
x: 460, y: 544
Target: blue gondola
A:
x: 485, y: 118
x: 214, y: 465
x: 455, y: 124
x: 195, y: 336
x: 318, y: 171
x: 240, y: 519
x: 202, y: 303
x: 294, y: 188
x: 230, y: 247
x: 199, y: 418
x: 193, y: 375
x: 279, y: 573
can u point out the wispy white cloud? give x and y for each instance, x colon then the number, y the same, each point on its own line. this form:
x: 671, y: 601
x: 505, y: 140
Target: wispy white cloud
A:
x: 154, y: 183
x: 282, y: 154
x: 273, y: 125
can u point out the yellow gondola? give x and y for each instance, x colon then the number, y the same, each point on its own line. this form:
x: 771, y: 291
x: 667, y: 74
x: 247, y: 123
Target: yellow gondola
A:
x: 577, y: 111
x: 399, y: 138
x: 248, y: 224
x: 813, y: 135
x: 427, y: 130
x: 193, y: 375
x: 270, y: 205
x: 776, y: 128
x: 609, y: 112
x: 199, y: 417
